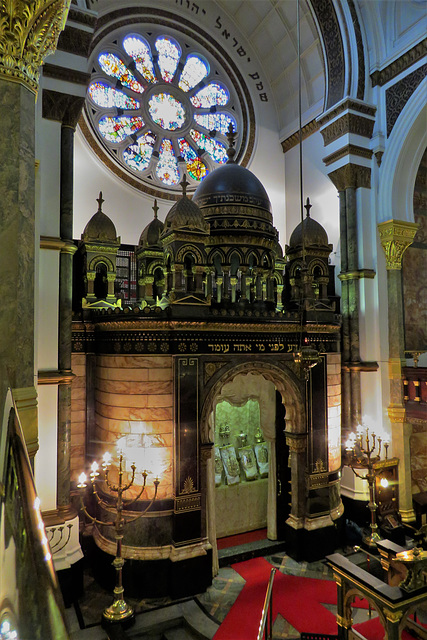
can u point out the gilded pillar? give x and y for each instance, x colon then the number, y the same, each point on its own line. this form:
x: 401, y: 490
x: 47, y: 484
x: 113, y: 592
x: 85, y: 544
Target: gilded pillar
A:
x: 30, y: 34
x: 396, y: 236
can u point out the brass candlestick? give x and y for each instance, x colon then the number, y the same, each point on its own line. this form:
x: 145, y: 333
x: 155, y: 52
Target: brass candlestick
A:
x: 119, y: 610
x: 361, y: 451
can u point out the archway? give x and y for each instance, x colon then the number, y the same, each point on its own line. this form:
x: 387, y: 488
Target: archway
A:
x: 257, y: 380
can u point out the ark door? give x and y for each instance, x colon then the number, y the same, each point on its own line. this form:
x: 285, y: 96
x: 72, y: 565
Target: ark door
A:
x: 283, y: 471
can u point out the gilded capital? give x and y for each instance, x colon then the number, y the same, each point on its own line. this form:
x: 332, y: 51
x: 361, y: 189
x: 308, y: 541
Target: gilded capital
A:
x: 29, y: 31
x: 396, y: 236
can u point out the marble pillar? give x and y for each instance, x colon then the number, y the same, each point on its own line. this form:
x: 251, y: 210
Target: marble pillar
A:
x: 396, y: 236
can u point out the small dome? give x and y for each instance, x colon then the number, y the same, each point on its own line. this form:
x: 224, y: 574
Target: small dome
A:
x: 185, y: 214
x: 232, y: 184
x: 151, y: 234
x: 100, y: 227
x: 314, y: 233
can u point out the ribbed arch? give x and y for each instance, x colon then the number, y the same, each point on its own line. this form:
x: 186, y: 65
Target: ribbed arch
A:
x: 97, y: 260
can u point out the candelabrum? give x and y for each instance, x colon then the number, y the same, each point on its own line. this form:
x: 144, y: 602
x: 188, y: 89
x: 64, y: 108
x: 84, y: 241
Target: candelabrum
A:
x: 119, y: 610
x: 363, y: 449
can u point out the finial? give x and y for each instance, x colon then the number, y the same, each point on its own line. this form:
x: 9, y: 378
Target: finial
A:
x: 155, y: 208
x: 231, y: 137
x: 307, y: 207
x: 184, y: 184
x: 100, y: 200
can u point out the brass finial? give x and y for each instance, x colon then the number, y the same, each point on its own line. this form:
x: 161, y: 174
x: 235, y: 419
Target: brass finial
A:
x: 231, y: 137
x: 155, y: 208
x: 184, y: 184
x: 100, y: 200
x: 307, y: 207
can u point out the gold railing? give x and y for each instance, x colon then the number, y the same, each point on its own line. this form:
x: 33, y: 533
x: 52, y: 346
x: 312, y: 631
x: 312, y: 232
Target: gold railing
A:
x: 266, y: 622
x: 30, y: 599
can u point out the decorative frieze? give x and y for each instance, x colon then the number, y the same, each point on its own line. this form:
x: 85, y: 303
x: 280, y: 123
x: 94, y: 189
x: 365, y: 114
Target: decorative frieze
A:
x: 347, y: 150
x: 293, y: 140
x: 396, y: 236
x: 31, y: 35
x: 398, y: 95
x: 348, y: 123
x: 62, y: 107
x: 409, y: 58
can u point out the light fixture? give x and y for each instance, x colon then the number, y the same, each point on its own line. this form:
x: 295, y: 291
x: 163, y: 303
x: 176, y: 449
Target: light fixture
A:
x: 119, y: 610
x: 363, y: 450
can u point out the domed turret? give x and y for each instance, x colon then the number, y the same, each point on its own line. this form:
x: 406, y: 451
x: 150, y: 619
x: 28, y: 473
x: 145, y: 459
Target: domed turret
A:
x: 100, y: 227
x: 150, y: 237
x: 314, y: 233
x: 185, y: 214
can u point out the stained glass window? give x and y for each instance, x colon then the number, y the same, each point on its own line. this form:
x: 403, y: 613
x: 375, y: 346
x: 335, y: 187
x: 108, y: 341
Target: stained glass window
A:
x: 166, y: 111
x: 139, y: 50
x: 169, y: 55
x: 113, y: 66
x: 210, y: 96
x: 193, y: 72
x: 137, y: 156
x: 167, y: 167
x: 213, y: 147
x: 195, y: 167
x: 148, y: 106
x: 118, y: 128
x: 105, y: 96
x: 215, y: 121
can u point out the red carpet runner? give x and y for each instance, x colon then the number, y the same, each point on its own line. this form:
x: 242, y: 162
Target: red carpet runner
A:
x: 298, y: 600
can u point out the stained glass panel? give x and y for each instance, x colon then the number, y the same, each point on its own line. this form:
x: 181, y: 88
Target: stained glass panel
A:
x: 216, y: 150
x: 195, y: 167
x: 105, y: 96
x: 210, y: 96
x: 194, y: 71
x: 167, y: 166
x: 215, y: 121
x: 113, y: 66
x: 139, y: 51
x: 169, y: 55
x: 166, y: 111
x: 117, y: 128
x: 137, y: 156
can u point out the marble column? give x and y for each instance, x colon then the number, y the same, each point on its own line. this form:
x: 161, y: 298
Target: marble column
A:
x: 21, y: 54
x: 297, y: 443
x: 396, y: 236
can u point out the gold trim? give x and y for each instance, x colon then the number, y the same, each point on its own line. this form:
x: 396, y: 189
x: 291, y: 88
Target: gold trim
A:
x: 347, y: 150
x: 396, y: 413
x: 359, y: 274
x: 178, y: 325
x: 293, y: 140
x: 30, y: 33
x: 359, y: 366
x: 395, y: 237
x: 55, y: 377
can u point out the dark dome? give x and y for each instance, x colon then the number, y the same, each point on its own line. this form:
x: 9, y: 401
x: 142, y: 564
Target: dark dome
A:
x: 151, y: 234
x: 185, y: 214
x: 100, y: 227
x: 232, y: 184
x: 314, y: 234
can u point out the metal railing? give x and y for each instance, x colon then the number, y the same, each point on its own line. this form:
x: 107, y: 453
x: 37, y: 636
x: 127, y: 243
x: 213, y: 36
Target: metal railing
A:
x: 266, y: 622
x: 30, y: 599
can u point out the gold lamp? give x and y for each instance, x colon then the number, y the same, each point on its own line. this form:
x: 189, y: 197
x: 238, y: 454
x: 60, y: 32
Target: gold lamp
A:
x: 363, y: 450
x: 119, y: 610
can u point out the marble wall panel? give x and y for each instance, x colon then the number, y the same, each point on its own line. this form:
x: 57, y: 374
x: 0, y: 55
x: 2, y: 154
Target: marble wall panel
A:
x: 107, y: 373
x: 132, y: 386
x: 130, y: 413
x: 78, y: 415
x: 135, y: 362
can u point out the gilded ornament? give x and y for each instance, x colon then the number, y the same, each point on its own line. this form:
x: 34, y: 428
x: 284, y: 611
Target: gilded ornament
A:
x: 396, y: 236
x: 29, y: 32
x: 188, y: 485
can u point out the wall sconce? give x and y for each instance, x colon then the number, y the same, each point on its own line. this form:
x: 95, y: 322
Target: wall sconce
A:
x: 119, y: 610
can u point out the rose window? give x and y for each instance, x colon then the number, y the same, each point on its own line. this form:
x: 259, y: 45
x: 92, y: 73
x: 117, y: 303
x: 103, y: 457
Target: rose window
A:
x: 161, y: 109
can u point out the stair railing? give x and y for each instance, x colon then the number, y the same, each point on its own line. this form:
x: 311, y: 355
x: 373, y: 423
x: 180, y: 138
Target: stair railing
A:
x: 266, y: 622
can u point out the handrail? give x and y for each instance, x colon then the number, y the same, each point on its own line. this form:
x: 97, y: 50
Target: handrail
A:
x: 267, y: 609
x: 31, y: 601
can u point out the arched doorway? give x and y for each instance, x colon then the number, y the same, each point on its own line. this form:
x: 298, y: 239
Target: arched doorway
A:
x: 278, y: 392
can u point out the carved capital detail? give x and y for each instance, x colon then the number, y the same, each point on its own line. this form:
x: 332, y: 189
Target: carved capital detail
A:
x: 351, y: 175
x: 29, y: 33
x: 396, y: 413
x: 396, y: 236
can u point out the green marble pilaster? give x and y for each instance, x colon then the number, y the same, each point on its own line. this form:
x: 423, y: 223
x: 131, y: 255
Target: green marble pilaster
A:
x: 65, y: 317
x: 17, y: 241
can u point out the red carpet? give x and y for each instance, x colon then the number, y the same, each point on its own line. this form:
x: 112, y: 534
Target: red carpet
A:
x: 373, y: 630
x: 242, y: 538
x: 299, y: 600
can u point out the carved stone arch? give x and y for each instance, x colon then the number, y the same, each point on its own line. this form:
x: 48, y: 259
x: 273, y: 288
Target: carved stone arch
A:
x: 283, y: 378
x: 270, y: 260
x: 278, y: 277
x: 253, y: 253
x: 294, y: 268
x: 169, y: 254
x: 101, y: 259
x: 235, y: 251
x: 318, y: 263
x: 190, y: 248
x: 216, y: 251
x: 155, y: 265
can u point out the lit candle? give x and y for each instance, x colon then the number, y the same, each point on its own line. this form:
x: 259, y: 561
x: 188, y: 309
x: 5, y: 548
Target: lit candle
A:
x: 106, y: 459
x: 94, y: 468
x: 82, y: 481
